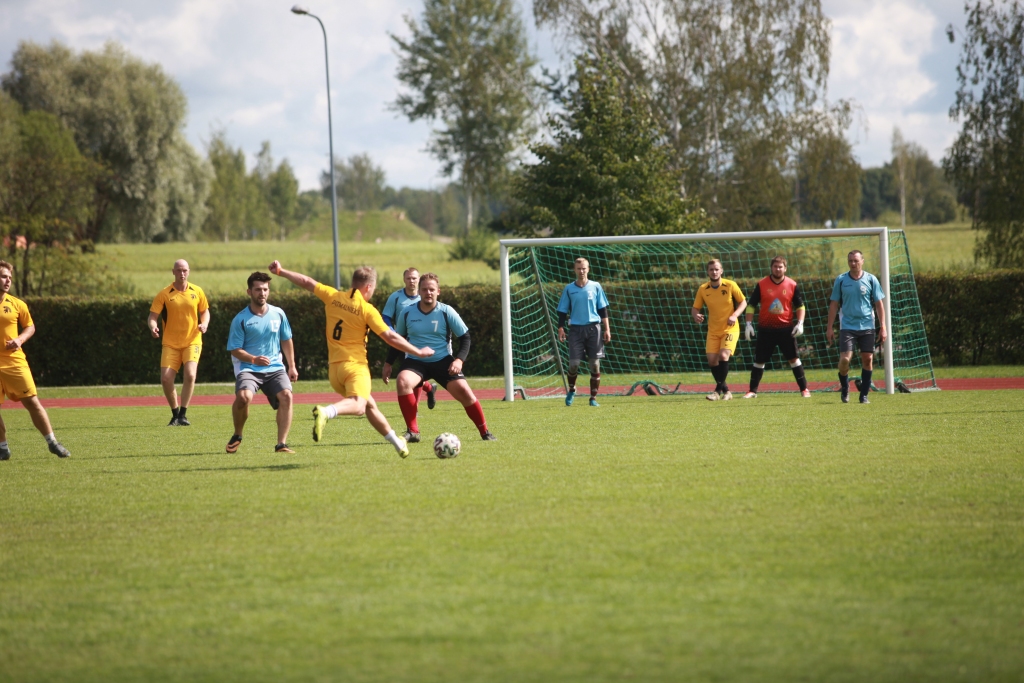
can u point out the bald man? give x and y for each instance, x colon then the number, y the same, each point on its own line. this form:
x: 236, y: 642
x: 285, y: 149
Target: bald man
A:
x: 186, y: 315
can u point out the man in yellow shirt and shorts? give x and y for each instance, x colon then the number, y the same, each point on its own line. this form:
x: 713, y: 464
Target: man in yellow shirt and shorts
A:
x: 186, y: 316
x: 725, y: 304
x: 16, y: 381
x: 350, y: 318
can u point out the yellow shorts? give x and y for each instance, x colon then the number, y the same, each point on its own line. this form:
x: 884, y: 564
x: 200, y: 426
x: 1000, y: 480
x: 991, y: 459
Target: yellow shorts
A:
x: 173, y: 358
x: 727, y: 340
x: 16, y: 383
x: 350, y: 378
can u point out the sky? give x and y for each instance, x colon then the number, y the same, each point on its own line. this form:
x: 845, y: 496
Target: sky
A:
x: 256, y: 71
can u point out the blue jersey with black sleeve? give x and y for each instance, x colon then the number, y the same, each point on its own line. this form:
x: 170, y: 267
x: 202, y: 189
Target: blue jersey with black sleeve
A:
x: 856, y: 299
x: 260, y: 335
x: 583, y: 303
x: 395, y: 304
x: 434, y: 329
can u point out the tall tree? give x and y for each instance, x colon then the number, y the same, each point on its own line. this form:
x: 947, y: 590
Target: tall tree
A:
x: 986, y: 161
x: 605, y: 172
x: 128, y: 115
x: 280, y: 189
x: 46, y: 197
x: 360, y: 183
x: 828, y: 177
x: 237, y: 206
x: 467, y: 65
x: 732, y: 83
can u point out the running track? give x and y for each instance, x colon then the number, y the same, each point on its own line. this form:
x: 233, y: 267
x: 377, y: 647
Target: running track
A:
x: 227, y: 397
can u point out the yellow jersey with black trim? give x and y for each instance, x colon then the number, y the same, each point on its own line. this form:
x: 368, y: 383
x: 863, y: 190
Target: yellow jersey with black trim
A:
x: 181, y: 311
x: 721, y: 302
x: 13, y: 312
x: 350, y: 318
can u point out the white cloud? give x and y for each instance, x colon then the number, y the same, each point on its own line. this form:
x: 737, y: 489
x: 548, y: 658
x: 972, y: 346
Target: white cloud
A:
x: 892, y: 59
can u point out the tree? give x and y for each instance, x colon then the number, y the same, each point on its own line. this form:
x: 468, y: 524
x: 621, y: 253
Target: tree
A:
x: 129, y: 116
x: 360, y: 183
x: 46, y: 199
x: 986, y: 161
x: 736, y: 86
x: 828, y: 180
x: 467, y: 65
x: 237, y: 206
x: 280, y: 189
x: 928, y: 197
x: 604, y: 173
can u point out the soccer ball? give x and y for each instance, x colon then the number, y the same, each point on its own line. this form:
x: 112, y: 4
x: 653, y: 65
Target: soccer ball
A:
x: 447, y: 446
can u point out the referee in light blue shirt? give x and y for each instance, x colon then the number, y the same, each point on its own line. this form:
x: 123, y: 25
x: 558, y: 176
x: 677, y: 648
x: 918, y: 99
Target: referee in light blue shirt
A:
x: 857, y: 297
x: 260, y: 341
x: 584, y: 303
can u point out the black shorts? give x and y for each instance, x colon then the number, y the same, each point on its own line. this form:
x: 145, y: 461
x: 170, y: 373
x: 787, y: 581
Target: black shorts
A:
x: 585, y: 341
x: 863, y: 340
x: 770, y: 338
x: 436, y: 370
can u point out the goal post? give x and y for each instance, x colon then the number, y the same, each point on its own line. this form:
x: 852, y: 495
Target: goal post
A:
x: 651, y: 280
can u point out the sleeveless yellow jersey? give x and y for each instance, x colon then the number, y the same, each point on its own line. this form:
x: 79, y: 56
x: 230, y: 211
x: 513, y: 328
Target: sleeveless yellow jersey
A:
x: 182, y: 310
x: 349, y: 321
x: 13, y: 312
x: 721, y: 302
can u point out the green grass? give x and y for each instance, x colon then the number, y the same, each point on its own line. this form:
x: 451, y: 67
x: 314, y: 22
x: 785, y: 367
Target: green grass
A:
x: 658, y: 539
x: 222, y: 268
x: 941, y: 247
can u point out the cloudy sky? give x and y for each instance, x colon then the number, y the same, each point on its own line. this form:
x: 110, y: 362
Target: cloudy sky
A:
x: 255, y: 70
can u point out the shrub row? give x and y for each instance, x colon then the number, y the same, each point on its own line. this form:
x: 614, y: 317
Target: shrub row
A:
x: 969, y: 318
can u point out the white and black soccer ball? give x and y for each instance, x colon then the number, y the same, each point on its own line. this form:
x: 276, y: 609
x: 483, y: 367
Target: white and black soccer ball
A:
x: 447, y: 446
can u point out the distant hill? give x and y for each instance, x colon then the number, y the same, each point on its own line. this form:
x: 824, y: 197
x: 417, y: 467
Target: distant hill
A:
x: 390, y: 225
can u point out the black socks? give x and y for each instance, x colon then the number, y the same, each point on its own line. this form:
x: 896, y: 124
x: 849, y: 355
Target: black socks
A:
x: 801, y: 379
x: 755, y: 378
x: 865, y: 382
x: 595, y: 384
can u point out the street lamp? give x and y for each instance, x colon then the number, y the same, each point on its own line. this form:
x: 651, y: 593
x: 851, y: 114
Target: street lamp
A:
x: 296, y: 9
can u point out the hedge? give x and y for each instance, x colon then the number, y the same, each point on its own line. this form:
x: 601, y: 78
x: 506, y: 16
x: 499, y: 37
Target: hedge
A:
x: 972, y: 319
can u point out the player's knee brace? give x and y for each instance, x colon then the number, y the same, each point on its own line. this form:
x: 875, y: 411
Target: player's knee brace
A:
x: 574, y: 367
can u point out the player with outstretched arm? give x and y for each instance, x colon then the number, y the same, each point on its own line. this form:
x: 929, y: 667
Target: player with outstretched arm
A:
x: 780, y: 321
x: 350, y: 318
x: 433, y: 325
x: 397, y: 302
x: 585, y: 305
x: 725, y: 304
x: 857, y: 296
x: 260, y: 343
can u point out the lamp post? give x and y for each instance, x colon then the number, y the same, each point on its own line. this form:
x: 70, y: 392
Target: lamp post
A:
x: 296, y: 9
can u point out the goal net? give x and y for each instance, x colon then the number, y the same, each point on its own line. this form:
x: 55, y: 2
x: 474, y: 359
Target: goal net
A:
x: 651, y: 282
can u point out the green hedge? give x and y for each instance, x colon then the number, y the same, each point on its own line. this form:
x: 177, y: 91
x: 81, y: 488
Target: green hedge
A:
x: 970, y: 319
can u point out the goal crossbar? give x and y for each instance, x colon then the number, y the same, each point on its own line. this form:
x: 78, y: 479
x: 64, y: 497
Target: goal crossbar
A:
x: 882, y: 234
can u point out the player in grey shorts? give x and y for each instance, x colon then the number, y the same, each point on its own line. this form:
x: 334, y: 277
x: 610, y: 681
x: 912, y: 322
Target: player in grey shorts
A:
x: 260, y: 342
x: 585, y: 306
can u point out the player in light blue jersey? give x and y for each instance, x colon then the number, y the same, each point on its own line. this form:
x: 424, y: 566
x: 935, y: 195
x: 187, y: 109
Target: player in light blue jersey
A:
x: 260, y: 342
x: 397, y: 302
x: 858, y: 296
x: 585, y: 305
x: 433, y: 325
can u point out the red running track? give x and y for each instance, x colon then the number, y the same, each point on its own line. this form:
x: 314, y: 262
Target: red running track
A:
x: 225, y: 399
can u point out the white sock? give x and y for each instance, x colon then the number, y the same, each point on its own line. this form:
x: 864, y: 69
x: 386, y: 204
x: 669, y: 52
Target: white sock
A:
x: 393, y: 439
x: 50, y: 438
x: 331, y: 412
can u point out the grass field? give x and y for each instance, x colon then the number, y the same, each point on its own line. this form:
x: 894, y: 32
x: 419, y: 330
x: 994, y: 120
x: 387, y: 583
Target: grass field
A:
x: 221, y: 268
x: 942, y: 247
x: 650, y: 539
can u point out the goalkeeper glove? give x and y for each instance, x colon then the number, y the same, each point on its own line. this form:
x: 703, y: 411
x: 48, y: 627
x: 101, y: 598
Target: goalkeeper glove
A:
x: 750, y: 331
x: 798, y: 329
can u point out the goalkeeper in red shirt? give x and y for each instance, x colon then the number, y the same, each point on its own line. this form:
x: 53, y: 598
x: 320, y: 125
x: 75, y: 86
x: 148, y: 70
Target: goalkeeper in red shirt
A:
x: 780, y: 321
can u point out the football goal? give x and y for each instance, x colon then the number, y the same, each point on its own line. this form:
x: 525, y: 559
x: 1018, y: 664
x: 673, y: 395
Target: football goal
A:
x: 651, y: 281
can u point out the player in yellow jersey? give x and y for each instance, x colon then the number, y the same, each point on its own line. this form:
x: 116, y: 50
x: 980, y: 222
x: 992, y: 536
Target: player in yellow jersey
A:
x: 186, y: 316
x: 350, y: 318
x: 725, y: 304
x: 16, y: 381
